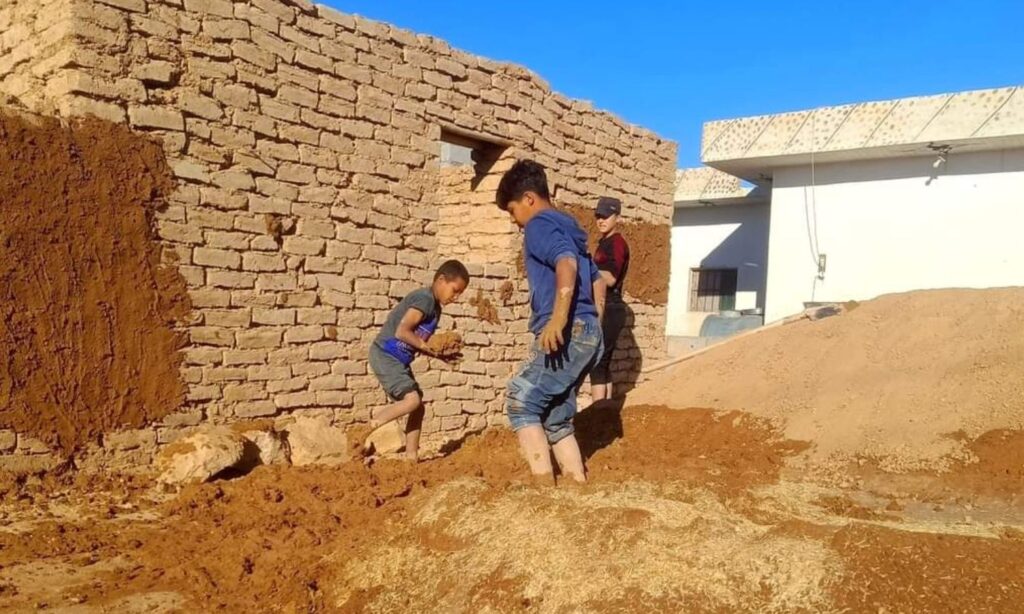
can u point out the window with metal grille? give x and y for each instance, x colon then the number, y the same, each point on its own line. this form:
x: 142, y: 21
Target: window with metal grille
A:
x: 712, y: 290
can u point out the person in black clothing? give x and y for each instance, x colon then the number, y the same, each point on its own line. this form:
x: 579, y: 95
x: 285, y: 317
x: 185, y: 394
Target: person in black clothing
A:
x: 612, y: 258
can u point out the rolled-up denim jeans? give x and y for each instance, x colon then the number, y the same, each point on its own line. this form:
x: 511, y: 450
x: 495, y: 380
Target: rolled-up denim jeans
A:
x: 544, y: 390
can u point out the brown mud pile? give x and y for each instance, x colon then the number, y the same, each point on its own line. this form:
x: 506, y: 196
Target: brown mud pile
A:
x: 905, y: 380
x: 280, y: 532
x: 649, y: 253
x: 505, y: 291
x: 485, y: 309
x: 87, y: 311
x: 686, y: 511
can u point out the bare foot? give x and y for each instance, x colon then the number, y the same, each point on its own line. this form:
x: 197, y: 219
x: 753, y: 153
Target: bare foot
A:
x: 356, y: 436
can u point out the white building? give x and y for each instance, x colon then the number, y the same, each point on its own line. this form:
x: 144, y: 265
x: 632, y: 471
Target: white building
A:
x: 850, y: 202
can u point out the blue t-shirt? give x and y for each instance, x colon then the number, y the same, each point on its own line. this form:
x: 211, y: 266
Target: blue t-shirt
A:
x: 550, y: 236
x: 423, y: 300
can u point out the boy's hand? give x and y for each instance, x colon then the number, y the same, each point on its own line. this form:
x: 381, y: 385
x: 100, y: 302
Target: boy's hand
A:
x: 551, y: 337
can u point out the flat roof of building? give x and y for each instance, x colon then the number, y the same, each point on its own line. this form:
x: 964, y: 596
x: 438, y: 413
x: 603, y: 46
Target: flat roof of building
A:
x: 978, y: 120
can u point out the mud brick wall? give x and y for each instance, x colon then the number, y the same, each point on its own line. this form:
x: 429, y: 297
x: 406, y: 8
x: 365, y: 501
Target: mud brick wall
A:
x: 311, y: 196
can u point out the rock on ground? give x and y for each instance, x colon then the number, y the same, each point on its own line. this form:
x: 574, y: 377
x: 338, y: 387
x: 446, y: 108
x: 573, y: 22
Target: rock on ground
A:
x: 200, y: 456
x: 268, y: 447
x: 313, y: 441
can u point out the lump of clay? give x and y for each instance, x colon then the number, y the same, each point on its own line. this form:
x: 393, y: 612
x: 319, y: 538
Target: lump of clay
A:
x: 446, y: 343
x: 200, y: 456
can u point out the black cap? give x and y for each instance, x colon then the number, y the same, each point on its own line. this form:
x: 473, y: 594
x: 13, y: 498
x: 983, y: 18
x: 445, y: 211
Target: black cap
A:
x: 606, y: 205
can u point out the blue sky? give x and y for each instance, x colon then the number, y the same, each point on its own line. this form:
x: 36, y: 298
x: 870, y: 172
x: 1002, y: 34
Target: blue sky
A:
x: 670, y: 66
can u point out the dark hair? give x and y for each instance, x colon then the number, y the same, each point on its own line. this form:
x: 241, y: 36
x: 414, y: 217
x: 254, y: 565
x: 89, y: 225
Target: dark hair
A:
x: 452, y: 269
x: 524, y: 176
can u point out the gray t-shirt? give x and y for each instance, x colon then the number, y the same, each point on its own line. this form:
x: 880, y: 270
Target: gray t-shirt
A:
x: 422, y: 300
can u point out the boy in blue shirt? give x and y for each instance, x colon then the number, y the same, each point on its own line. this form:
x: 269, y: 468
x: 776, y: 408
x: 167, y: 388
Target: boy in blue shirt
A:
x: 406, y: 332
x: 566, y: 299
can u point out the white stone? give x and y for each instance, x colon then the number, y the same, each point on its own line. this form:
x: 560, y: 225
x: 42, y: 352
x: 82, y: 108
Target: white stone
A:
x: 386, y: 439
x: 313, y: 441
x: 269, y: 445
x: 200, y: 456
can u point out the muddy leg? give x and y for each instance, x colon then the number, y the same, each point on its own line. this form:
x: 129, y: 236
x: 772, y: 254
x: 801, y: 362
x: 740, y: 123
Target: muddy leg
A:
x: 534, y: 445
x: 412, y: 433
x: 570, y: 460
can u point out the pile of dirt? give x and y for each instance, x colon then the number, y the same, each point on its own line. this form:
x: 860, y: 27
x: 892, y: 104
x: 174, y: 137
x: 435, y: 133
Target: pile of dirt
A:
x: 685, y: 511
x: 908, y: 381
x: 649, y: 253
x: 87, y: 311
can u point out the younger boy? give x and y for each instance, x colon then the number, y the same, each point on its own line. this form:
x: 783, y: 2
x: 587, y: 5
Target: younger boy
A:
x: 566, y: 296
x: 406, y: 331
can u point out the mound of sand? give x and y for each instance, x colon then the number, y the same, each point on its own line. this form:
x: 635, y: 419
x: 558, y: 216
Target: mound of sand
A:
x: 907, y: 379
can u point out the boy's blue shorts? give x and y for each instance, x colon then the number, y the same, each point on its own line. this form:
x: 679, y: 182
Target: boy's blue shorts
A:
x: 544, y: 390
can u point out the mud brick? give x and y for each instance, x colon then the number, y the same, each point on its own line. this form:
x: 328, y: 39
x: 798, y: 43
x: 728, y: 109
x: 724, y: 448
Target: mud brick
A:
x: 278, y: 9
x: 303, y: 246
x: 317, y: 315
x: 376, y: 253
x: 373, y: 302
x: 335, y: 398
x: 319, y: 194
x: 233, y: 179
x: 296, y: 173
x: 291, y: 384
x: 222, y: 8
x: 452, y: 423
x: 295, y: 399
x: 199, y: 105
x: 301, y: 134
x: 253, y: 409
x: 179, y: 233
x: 324, y: 265
x: 328, y: 383
x: 298, y: 95
x: 210, y: 298
x: 328, y: 350
x: 336, y: 17
x: 371, y: 286
x: 262, y: 262
x: 244, y: 392
x: 311, y: 369
x: 226, y: 239
x: 269, y: 42
x: 288, y: 356
x: 316, y: 156
x: 209, y: 335
x: 314, y: 61
x: 254, y: 164
x: 258, y: 338
x: 349, y: 367
x: 226, y: 29
x: 273, y: 316
x: 279, y: 110
x: 393, y: 271
x: 268, y: 373
x: 303, y: 334
x: 225, y: 259
x: 337, y: 299
x: 263, y: 205
x: 230, y: 279
x: 224, y: 374
x: 155, y: 117
x: 269, y: 282
x: 227, y: 317
x: 356, y: 268
x: 286, y: 152
x: 245, y: 357
x: 297, y: 299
